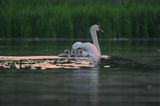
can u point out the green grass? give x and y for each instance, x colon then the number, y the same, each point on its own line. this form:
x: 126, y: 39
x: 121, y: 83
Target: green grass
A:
x: 54, y: 19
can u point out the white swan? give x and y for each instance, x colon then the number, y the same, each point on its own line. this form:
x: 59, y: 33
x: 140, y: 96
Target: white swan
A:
x: 91, y: 49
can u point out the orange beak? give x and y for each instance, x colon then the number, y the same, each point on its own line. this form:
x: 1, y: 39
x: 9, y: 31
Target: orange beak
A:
x: 101, y: 30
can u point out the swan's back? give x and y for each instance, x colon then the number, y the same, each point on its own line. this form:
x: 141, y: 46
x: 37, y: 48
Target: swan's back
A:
x: 88, y: 47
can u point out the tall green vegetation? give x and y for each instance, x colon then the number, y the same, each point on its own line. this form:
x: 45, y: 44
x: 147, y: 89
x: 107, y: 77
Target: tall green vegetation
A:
x: 67, y: 19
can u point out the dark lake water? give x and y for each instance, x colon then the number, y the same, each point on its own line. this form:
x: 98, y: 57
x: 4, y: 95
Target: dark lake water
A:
x: 131, y: 77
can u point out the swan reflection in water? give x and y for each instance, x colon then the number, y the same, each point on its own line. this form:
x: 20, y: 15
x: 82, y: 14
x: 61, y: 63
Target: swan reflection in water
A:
x: 85, y: 86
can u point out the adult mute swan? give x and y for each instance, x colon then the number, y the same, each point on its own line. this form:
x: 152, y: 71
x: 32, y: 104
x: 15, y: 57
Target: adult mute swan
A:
x: 92, y: 50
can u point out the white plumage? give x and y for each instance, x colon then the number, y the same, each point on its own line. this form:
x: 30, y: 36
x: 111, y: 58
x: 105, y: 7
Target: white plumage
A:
x: 91, y: 49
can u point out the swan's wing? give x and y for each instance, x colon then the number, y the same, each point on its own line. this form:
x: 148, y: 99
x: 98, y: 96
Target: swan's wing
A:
x: 76, y: 45
x: 87, y: 46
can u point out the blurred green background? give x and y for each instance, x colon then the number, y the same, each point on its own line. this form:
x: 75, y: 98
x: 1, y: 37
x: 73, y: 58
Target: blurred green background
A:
x: 71, y: 19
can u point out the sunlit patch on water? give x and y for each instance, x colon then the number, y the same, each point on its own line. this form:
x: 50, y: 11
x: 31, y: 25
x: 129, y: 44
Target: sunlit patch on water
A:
x: 106, y: 66
x: 45, y: 62
x: 56, y: 62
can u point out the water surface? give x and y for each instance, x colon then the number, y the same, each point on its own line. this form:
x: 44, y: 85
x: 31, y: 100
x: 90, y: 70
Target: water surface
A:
x: 129, y: 78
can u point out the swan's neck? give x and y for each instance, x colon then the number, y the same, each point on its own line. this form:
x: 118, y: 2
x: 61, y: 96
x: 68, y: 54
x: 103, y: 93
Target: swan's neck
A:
x: 95, y: 40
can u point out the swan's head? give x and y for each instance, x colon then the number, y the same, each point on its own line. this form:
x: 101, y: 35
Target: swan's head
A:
x: 96, y: 28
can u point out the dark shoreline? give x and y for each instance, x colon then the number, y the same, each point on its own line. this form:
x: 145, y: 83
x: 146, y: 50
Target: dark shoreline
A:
x: 81, y: 39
